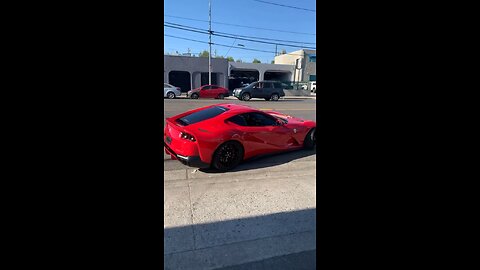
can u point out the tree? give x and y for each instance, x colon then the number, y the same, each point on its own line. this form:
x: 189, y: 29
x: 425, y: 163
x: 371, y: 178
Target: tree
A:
x: 284, y: 51
x: 273, y: 62
x: 230, y: 59
x: 239, y: 61
x: 203, y: 54
x: 256, y: 61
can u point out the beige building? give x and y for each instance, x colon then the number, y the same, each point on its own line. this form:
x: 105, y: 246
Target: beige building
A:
x: 306, y: 67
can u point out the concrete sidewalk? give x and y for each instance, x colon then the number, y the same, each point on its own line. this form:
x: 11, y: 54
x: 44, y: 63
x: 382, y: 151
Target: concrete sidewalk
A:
x: 257, y: 216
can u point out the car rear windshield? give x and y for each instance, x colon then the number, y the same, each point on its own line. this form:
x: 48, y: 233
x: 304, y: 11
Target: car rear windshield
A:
x: 201, y: 115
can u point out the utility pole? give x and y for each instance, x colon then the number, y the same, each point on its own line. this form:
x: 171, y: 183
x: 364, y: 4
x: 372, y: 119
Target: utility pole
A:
x: 210, y: 42
x: 275, y: 49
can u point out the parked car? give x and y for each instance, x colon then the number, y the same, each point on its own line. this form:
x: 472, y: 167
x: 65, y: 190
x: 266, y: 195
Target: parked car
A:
x: 223, y: 135
x: 269, y: 90
x: 208, y: 91
x: 313, y: 87
x: 170, y: 91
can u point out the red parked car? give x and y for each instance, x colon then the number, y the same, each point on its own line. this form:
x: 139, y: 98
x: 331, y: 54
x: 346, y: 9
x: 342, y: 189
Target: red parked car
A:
x: 208, y: 91
x: 222, y: 135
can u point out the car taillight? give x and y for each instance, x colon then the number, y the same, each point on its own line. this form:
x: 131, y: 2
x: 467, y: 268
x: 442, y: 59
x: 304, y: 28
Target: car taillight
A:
x: 178, y: 88
x: 187, y: 136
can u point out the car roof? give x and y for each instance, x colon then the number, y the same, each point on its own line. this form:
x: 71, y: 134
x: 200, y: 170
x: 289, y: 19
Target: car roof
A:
x: 237, y: 108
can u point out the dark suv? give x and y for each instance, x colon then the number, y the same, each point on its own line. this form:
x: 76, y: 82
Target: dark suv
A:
x: 269, y: 90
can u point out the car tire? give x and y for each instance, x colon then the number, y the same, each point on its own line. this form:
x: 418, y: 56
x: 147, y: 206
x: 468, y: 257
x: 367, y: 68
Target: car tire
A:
x: 194, y: 96
x: 310, y: 139
x: 246, y: 97
x: 170, y: 95
x: 221, y: 96
x: 274, y: 97
x: 267, y: 98
x: 227, y: 156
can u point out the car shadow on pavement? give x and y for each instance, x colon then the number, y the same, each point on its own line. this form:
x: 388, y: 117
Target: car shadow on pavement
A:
x: 267, y: 161
x: 242, y: 242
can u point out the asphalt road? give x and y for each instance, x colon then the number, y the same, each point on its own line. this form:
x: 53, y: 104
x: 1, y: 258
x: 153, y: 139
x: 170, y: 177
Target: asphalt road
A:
x: 261, y: 215
x: 304, y: 108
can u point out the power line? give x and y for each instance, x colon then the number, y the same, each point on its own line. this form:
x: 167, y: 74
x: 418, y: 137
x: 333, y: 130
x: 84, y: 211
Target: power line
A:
x: 300, y: 42
x: 223, y: 45
x: 186, y: 29
x: 183, y: 25
x: 245, y: 26
x: 266, y: 42
x: 246, y: 39
x: 230, y: 48
x: 186, y: 39
x: 276, y: 4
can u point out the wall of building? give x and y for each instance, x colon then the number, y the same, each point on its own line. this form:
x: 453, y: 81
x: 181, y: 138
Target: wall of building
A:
x: 195, y: 66
x: 261, y: 68
x: 307, y: 68
x: 221, y: 67
x: 288, y: 59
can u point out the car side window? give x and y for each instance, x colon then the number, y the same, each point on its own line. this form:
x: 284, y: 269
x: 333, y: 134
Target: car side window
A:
x: 259, y: 120
x: 206, y: 88
x: 267, y: 85
x: 239, y: 120
x: 277, y: 85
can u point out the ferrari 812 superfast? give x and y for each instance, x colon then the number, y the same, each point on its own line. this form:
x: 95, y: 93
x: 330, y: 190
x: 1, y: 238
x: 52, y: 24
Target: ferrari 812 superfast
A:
x: 223, y: 135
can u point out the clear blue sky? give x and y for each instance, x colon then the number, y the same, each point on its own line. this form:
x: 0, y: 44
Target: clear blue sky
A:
x: 240, y: 12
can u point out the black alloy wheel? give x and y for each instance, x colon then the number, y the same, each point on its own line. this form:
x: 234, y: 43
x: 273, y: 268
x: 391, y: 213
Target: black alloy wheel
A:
x: 194, y: 96
x: 246, y: 97
x: 227, y: 156
x: 171, y: 95
x: 311, y: 139
x: 220, y: 96
x: 275, y: 97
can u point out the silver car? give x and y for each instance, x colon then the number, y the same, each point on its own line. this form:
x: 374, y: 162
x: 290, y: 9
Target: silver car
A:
x: 170, y: 91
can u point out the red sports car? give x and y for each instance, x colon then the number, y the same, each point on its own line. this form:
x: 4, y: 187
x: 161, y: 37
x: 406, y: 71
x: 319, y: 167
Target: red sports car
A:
x: 223, y: 135
x: 208, y: 91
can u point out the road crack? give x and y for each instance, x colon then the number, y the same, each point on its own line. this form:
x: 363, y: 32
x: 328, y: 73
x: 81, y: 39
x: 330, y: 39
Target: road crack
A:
x: 191, y: 217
